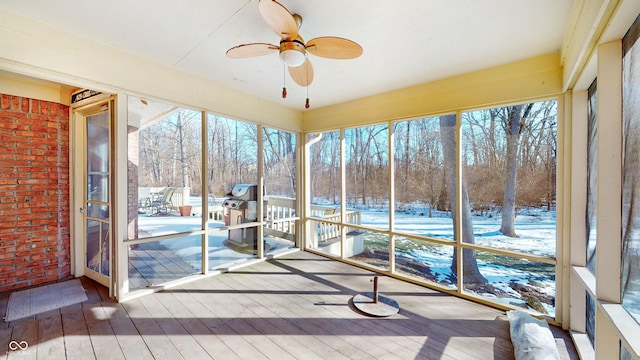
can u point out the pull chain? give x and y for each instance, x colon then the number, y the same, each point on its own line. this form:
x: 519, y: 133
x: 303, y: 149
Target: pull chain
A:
x: 284, y: 80
x: 306, y: 103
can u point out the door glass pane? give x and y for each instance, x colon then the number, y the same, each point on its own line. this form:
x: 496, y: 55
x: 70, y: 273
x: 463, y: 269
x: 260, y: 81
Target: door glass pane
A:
x: 98, y: 211
x: 104, y: 246
x: 97, y: 195
x: 93, y: 244
x: 98, y: 157
x: 97, y: 246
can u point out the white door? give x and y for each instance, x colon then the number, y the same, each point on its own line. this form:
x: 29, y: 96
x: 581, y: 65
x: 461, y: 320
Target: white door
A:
x: 93, y: 160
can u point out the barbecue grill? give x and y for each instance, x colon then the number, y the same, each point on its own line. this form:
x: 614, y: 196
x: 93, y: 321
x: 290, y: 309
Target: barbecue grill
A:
x: 242, y: 207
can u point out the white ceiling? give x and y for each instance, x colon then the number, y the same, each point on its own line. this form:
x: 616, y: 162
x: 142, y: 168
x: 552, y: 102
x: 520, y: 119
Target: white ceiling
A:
x: 405, y: 42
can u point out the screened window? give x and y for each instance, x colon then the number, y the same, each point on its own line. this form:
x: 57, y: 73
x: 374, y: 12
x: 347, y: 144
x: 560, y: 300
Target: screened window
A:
x: 591, y: 203
x: 164, y: 164
x: 506, y: 220
x: 280, y: 189
x: 232, y: 160
x: 508, y: 159
x: 165, y: 191
x: 631, y: 172
x: 423, y: 207
x: 325, y: 192
x: 367, y: 191
x: 592, y: 171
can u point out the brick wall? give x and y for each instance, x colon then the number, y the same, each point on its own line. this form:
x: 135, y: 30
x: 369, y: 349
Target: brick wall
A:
x: 34, y: 192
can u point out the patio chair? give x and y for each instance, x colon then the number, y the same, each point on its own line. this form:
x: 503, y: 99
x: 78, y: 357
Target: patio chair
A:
x: 162, y: 205
x: 144, y: 199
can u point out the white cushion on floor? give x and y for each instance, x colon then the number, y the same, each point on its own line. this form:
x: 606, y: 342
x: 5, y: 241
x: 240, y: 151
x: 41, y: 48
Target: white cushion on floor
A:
x: 532, y: 339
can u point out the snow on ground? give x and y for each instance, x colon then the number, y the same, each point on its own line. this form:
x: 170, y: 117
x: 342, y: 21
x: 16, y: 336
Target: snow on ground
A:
x: 536, y: 229
x: 189, y: 248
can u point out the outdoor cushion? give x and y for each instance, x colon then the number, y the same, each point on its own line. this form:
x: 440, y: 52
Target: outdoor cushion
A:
x: 532, y: 339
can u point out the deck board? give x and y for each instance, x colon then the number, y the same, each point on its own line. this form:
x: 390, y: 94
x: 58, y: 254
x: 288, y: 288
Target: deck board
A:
x: 76, y: 335
x: 50, y: 345
x: 294, y: 307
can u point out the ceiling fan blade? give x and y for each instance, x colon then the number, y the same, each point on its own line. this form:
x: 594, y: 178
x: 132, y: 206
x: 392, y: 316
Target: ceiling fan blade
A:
x: 303, y: 74
x: 279, y: 19
x: 334, y: 48
x: 251, y: 50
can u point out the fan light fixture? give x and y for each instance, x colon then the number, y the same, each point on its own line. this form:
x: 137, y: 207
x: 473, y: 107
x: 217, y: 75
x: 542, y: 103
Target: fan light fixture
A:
x: 292, y: 53
x: 293, y: 50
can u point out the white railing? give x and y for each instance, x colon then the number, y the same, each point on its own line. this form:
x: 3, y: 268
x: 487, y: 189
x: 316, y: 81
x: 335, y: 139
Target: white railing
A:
x: 216, y: 211
x: 281, y: 214
x: 330, y: 229
x: 326, y: 232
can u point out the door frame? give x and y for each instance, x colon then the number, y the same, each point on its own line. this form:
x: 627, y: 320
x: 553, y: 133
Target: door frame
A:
x: 77, y: 183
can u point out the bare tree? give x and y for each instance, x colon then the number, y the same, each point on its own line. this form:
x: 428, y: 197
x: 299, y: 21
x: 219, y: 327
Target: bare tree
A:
x: 470, y: 272
x: 513, y: 123
x: 279, y: 162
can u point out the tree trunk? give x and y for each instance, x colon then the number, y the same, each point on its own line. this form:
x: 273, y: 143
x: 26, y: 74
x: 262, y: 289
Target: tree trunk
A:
x: 513, y: 127
x: 470, y: 272
x: 407, y: 162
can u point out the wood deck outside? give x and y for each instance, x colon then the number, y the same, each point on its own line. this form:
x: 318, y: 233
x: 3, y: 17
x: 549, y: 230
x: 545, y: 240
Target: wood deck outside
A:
x: 295, y: 307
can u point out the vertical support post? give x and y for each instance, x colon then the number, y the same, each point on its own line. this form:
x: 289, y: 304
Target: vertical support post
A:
x: 392, y: 197
x: 609, y: 186
x: 260, y: 208
x: 375, y: 289
x: 343, y: 193
x: 204, y: 248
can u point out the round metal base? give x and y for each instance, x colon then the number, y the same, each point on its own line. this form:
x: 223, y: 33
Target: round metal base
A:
x: 385, y: 306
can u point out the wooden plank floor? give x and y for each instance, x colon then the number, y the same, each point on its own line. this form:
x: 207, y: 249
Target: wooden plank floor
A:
x: 294, y: 307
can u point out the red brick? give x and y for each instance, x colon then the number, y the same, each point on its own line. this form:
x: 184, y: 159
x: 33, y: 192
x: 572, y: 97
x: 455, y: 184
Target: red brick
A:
x: 15, y: 103
x: 15, y: 260
x: 7, y: 268
x: 4, y: 101
x: 34, y: 191
x: 45, y: 280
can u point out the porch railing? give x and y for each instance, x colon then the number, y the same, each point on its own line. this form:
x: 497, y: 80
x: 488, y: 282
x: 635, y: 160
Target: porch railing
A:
x: 281, y: 216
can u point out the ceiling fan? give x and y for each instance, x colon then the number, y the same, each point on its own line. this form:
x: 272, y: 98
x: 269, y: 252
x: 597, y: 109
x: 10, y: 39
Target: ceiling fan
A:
x: 292, y: 49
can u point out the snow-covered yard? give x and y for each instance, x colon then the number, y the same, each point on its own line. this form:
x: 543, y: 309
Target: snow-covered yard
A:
x: 536, y: 229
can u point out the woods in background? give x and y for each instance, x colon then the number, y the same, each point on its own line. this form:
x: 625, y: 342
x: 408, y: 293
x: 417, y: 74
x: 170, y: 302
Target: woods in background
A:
x: 508, y: 157
x: 171, y: 148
